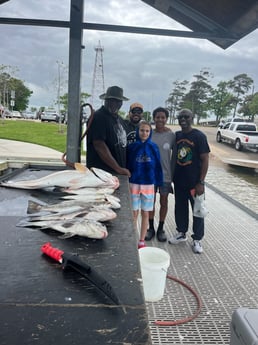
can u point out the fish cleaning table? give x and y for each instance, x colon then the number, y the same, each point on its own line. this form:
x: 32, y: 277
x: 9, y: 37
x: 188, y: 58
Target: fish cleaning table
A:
x: 42, y: 304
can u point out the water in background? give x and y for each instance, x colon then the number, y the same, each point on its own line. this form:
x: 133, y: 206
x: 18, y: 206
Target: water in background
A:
x: 241, y: 184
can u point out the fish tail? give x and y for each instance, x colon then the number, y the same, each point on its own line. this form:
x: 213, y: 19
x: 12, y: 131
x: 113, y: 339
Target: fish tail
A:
x: 23, y: 223
x: 33, y: 207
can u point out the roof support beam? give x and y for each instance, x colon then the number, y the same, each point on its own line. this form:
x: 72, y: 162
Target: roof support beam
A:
x: 160, y: 32
x: 121, y: 28
x: 73, y: 145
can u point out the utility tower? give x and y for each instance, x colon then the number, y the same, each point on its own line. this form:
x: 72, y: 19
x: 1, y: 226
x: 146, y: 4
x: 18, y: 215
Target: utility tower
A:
x: 98, y: 86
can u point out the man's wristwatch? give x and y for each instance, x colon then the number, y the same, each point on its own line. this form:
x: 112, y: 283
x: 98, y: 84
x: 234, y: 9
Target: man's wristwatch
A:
x: 202, y: 182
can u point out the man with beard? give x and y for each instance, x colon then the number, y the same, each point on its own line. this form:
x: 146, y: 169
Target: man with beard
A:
x: 106, y: 137
x: 135, y: 116
x: 191, y: 166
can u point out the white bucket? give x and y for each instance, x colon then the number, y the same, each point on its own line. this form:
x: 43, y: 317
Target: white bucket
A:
x: 154, y: 264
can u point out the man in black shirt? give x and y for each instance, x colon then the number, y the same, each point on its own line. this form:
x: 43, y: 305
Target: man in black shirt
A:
x: 135, y: 116
x: 191, y: 159
x: 106, y: 137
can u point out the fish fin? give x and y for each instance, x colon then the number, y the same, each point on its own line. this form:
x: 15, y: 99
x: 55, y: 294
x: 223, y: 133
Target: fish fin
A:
x: 66, y: 235
x: 23, y: 224
x: 81, y: 168
x: 33, y: 207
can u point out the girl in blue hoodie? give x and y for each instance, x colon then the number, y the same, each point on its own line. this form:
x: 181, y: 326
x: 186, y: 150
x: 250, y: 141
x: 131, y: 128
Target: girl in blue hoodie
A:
x: 143, y: 162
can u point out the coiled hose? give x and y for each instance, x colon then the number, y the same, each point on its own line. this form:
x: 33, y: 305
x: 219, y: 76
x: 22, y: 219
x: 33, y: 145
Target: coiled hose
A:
x: 189, y: 318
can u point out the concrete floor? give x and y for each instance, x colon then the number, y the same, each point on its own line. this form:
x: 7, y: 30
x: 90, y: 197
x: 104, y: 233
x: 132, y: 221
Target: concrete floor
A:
x: 224, y: 275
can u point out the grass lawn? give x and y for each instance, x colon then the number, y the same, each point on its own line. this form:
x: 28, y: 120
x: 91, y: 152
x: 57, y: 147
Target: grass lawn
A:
x: 47, y: 134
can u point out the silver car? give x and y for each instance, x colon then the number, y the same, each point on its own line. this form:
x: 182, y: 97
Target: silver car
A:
x: 16, y: 114
x: 49, y: 116
x: 29, y: 114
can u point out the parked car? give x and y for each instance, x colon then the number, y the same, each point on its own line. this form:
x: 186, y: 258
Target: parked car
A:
x: 29, y: 114
x: 7, y: 113
x: 16, y: 114
x: 240, y: 134
x: 49, y: 116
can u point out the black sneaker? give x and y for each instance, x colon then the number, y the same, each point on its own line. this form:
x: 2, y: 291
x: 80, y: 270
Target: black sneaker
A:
x: 150, y: 234
x: 161, y: 236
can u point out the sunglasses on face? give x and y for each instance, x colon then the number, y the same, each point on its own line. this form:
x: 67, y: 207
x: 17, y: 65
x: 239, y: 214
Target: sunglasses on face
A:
x: 136, y: 111
x: 186, y: 117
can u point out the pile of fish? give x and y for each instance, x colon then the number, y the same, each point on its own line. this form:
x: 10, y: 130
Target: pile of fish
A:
x: 86, y: 202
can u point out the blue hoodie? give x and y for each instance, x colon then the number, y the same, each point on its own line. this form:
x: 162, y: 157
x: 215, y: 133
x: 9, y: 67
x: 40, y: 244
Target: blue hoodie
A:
x: 143, y: 162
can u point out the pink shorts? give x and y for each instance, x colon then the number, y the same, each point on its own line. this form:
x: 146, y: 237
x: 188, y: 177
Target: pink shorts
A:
x: 142, y: 196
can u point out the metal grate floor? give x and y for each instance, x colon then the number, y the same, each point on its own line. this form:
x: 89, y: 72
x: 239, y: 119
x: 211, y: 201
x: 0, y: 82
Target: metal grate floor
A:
x: 225, y: 276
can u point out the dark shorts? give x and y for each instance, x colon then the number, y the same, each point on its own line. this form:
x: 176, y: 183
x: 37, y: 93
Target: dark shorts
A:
x: 165, y: 189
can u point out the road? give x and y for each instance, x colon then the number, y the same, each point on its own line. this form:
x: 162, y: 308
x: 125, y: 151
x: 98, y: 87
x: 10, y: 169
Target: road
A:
x: 223, y: 150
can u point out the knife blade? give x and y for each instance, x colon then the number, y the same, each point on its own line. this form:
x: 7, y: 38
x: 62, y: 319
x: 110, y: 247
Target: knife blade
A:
x: 73, y: 261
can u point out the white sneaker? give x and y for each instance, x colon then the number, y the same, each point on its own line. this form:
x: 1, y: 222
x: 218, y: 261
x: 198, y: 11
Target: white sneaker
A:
x: 179, y: 237
x: 197, y: 247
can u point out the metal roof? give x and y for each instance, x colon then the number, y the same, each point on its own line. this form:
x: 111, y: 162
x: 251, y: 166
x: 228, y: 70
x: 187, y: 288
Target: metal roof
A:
x: 230, y: 19
x: 221, y: 22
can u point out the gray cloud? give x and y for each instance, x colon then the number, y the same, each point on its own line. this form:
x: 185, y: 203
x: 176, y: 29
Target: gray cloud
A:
x: 145, y: 66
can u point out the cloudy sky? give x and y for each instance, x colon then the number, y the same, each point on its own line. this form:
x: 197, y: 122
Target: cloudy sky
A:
x: 145, y: 66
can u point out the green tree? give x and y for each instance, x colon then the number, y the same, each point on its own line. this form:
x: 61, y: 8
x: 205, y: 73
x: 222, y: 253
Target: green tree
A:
x: 4, y: 87
x: 64, y: 99
x: 22, y: 94
x: 84, y: 97
x: 198, y: 96
x: 175, y: 98
x: 240, y: 85
x: 249, y: 107
x: 254, y: 106
x: 221, y: 101
x: 147, y: 116
x: 10, y: 85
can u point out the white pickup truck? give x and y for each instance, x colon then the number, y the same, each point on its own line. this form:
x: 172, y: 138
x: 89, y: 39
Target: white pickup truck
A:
x: 240, y: 134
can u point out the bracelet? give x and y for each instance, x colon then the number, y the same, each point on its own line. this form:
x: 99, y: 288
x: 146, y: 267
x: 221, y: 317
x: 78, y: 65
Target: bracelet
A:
x: 202, y: 182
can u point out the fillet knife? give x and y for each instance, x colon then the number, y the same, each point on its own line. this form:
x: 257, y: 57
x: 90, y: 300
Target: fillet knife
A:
x: 73, y: 261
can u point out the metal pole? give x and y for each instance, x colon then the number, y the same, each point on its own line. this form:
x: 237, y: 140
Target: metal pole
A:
x: 58, y: 94
x: 73, y: 152
x: 58, y: 87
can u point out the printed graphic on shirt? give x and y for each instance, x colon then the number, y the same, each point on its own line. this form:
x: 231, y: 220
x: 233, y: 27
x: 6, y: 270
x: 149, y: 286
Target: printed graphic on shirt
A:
x: 131, y: 137
x: 143, y: 159
x: 166, y: 146
x: 184, y: 152
x: 121, y: 135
